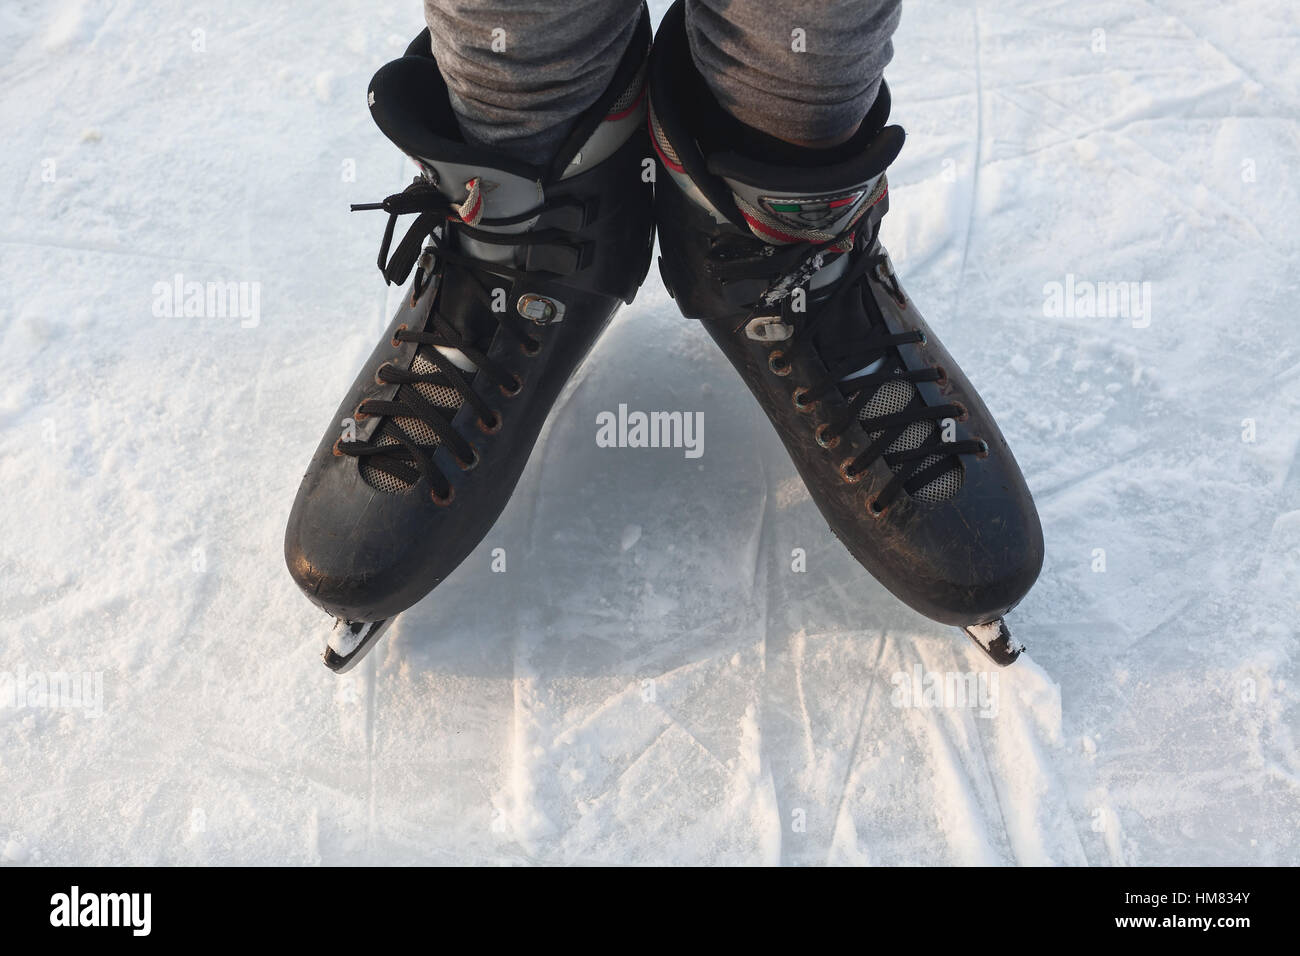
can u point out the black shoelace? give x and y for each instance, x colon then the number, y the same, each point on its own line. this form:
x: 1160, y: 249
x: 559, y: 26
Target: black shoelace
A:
x: 746, y: 257
x: 405, y: 458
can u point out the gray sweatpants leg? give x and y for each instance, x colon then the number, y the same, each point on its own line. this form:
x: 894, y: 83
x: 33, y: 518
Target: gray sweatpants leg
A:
x: 801, y: 70
x: 520, y: 71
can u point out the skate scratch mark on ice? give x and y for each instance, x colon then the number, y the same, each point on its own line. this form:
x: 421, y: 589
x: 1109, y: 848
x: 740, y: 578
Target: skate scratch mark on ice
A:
x: 1155, y: 113
x: 992, y: 777
x: 674, y: 722
x: 1036, y: 115
x: 613, y: 784
x: 759, y: 533
x: 612, y: 704
x: 857, y: 742
x: 799, y: 646
x: 144, y: 821
x: 1201, y: 36
x: 1226, y: 210
x: 515, y: 785
x: 1042, y: 767
x: 32, y: 67
x: 371, y: 790
x: 953, y: 761
x: 1075, y: 481
x: 94, y: 781
x: 681, y: 669
x: 1289, y: 475
x: 847, y: 601
x: 103, y: 25
x: 1277, y: 771
x: 964, y: 799
x: 1019, y: 734
x: 108, y: 250
x: 758, y: 582
x: 1179, y: 613
x: 975, y: 169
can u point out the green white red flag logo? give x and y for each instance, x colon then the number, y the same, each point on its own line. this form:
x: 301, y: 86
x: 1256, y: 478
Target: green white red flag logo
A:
x: 804, y: 211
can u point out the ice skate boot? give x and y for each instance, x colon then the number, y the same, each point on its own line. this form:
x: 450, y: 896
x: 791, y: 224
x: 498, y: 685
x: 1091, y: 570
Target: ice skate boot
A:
x: 518, y: 269
x: 777, y: 250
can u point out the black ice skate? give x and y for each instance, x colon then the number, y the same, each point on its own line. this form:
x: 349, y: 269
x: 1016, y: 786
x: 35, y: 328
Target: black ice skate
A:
x: 524, y: 267
x: 782, y: 261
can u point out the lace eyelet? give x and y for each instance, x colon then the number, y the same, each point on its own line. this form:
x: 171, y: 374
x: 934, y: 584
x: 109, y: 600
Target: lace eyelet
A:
x: 519, y: 387
x: 799, y: 403
x: 377, y: 379
x: 443, y: 502
x: 943, y: 376
x: 851, y: 477
x: 358, y: 415
x: 820, y: 435
x: 396, y: 342
x: 490, y: 428
x: 963, y: 415
x: 984, y: 449
x: 875, y: 508
x: 925, y: 340
x: 777, y: 363
x: 530, y: 348
x: 472, y: 463
x: 335, y: 448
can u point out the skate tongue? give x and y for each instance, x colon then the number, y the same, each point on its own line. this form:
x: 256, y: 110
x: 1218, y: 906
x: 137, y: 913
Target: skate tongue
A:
x: 479, y: 192
x: 409, y: 103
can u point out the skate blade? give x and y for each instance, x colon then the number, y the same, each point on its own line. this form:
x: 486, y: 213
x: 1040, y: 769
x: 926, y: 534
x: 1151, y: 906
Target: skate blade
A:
x: 995, y: 640
x: 351, y: 642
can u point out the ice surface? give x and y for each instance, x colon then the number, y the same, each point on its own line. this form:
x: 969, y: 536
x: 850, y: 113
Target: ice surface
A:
x: 650, y: 679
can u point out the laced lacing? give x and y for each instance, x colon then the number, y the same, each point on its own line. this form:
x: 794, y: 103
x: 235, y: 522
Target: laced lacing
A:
x: 439, y: 219
x: 736, y: 258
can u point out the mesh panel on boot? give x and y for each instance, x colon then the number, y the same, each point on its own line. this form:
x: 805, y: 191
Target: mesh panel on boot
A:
x: 440, y: 396
x: 893, y: 397
x: 657, y: 131
x: 629, y: 95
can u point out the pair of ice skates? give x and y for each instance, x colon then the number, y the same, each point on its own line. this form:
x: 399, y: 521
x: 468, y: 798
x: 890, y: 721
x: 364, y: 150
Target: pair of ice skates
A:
x: 517, y: 270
